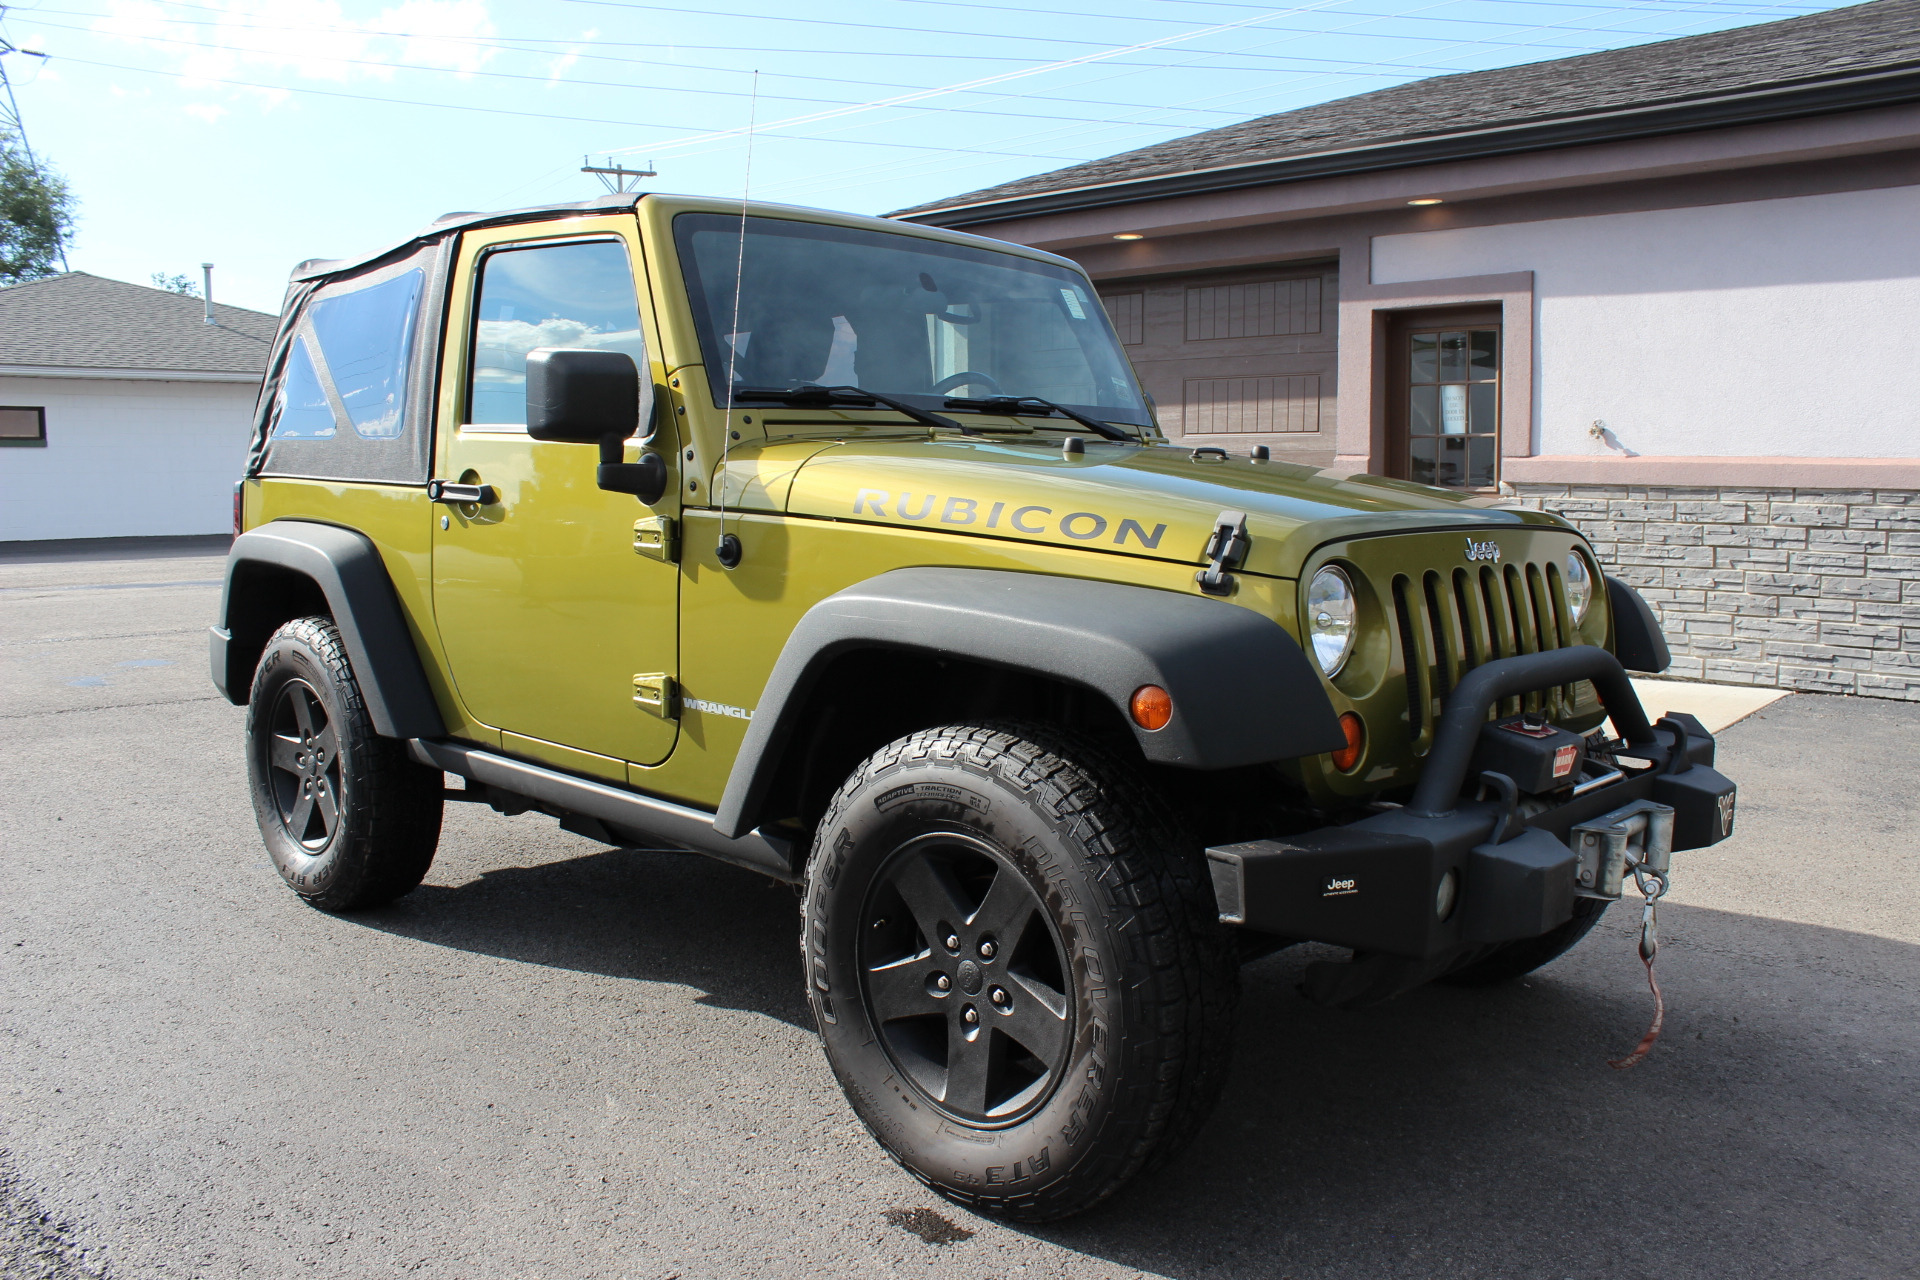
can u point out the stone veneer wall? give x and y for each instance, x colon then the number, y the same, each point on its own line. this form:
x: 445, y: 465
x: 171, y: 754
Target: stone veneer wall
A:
x: 1812, y: 589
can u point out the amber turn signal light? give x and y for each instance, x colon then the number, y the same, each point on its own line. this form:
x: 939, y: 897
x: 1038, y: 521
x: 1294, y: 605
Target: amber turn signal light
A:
x: 1151, y: 706
x: 1348, y: 756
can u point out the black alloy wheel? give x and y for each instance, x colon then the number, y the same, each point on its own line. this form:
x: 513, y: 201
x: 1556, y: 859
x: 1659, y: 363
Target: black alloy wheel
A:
x: 1016, y: 965
x: 348, y: 818
x: 965, y: 979
x: 303, y: 761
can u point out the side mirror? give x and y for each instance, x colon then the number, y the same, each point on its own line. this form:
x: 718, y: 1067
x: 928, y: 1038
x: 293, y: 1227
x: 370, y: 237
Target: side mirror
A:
x: 584, y: 396
x: 595, y: 397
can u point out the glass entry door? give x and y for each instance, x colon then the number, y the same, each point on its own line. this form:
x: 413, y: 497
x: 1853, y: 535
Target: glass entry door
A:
x: 1452, y: 404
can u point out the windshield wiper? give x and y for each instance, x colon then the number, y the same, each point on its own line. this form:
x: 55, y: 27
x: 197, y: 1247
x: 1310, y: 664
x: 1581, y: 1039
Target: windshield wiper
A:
x: 1010, y: 405
x: 811, y: 395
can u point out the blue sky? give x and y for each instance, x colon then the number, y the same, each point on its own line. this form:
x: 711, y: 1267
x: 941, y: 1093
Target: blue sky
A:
x: 256, y: 133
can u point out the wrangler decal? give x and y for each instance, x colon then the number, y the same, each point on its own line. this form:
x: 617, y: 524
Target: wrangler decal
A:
x: 1080, y: 526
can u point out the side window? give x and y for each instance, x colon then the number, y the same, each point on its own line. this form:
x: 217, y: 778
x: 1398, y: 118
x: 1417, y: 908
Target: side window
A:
x: 563, y: 295
x: 349, y: 363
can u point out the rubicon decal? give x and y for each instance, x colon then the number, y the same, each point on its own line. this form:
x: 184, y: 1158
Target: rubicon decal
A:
x: 1030, y: 519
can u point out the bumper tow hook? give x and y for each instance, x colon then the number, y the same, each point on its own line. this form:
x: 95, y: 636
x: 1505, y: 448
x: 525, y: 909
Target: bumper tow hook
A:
x: 1653, y: 885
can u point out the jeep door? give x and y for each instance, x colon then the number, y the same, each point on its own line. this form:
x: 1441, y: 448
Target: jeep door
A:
x: 547, y: 612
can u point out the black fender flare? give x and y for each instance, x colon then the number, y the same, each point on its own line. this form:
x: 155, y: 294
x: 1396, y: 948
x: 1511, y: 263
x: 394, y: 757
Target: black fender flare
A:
x: 1243, y: 691
x: 347, y: 569
x: 1637, y: 639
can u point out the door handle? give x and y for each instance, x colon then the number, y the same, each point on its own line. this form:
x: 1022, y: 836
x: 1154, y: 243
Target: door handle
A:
x: 457, y: 494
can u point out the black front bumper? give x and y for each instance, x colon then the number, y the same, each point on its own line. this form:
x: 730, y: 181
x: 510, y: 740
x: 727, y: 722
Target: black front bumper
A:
x: 1444, y: 873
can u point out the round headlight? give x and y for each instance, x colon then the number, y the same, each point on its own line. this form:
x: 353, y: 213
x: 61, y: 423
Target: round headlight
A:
x: 1579, y: 586
x: 1330, y: 618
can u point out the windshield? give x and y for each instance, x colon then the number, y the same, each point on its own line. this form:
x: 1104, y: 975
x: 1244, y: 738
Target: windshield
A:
x: 897, y: 314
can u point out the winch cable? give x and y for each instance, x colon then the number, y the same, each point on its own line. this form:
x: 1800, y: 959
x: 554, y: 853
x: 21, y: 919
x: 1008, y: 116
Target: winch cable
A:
x: 1654, y: 886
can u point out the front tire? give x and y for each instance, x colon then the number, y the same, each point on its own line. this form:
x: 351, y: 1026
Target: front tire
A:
x: 348, y: 818
x: 1016, y: 966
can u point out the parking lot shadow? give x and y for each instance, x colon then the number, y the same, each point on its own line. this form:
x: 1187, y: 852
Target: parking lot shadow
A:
x: 1460, y: 1132
x: 657, y: 917
x: 1449, y: 1132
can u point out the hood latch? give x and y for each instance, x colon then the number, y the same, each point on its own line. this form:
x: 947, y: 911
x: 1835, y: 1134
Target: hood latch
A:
x: 1227, y: 548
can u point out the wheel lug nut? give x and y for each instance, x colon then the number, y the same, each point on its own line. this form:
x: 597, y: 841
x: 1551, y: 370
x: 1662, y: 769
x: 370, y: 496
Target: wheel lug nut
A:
x: 999, y: 995
x: 986, y: 950
x: 943, y: 982
x: 953, y: 942
x: 971, y: 1016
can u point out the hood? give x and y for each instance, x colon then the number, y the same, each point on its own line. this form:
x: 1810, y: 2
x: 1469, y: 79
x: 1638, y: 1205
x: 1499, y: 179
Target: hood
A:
x: 1156, y: 501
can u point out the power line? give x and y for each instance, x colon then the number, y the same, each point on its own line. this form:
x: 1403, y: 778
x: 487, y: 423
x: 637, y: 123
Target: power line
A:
x: 11, y: 123
x: 507, y: 44
x: 527, y: 115
x: 1072, y: 134
x: 972, y: 35
x: 589, y: 84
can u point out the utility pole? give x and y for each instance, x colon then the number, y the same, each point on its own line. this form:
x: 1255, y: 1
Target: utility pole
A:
x: 10, y: 121
x: 614, y: 177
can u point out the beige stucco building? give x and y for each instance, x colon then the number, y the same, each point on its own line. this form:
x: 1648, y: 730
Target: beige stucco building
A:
x: 1671, y: 291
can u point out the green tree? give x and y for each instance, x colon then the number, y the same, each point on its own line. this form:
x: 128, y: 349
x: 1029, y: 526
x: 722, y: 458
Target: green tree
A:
x: 36, y: 216
x: 176, y: 284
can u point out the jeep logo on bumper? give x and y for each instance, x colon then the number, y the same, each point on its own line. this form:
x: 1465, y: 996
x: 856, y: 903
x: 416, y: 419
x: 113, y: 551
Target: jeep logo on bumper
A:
x: 1482, y: 550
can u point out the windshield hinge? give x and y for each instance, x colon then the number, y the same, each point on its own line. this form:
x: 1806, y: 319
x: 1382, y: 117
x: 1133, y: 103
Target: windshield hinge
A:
x: 656, y: 694
x: 656, y: 538
x: 1227, y: 548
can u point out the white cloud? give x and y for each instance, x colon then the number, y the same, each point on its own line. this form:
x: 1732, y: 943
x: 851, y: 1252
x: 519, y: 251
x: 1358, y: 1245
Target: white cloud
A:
x: 311, y: 39
x: 557, y: 69
x: 207, y: 111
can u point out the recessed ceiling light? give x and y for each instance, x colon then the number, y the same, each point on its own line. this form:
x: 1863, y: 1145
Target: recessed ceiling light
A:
x: 1427, y: 200
x: 1129, y: 235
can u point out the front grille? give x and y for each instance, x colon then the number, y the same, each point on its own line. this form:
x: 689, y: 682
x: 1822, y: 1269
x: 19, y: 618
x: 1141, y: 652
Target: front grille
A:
x: 1451, y: 622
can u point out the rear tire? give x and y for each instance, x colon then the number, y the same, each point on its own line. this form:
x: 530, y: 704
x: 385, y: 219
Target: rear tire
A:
x: 348, y: 818
x: 1506, y: 961
x: 1035, y: 881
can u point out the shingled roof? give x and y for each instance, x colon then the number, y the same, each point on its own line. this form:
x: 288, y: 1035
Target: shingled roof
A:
x: 81, y: 322
x: 1865, y: 55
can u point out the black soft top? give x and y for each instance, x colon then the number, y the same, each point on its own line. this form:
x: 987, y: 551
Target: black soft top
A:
x: 440, y: 228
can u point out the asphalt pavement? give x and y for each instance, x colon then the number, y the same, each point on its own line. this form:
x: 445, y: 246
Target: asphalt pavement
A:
x: 561, y: 1061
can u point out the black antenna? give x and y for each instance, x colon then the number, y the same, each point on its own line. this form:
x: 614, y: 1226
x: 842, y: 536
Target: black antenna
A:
x: 728, y: 550
x: 10, y: 121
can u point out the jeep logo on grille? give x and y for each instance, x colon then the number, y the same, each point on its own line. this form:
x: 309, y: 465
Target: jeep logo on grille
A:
x: 1482, y: 550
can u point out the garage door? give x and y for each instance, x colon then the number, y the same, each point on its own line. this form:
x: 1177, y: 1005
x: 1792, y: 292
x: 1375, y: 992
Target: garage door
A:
x: 1237, y: 359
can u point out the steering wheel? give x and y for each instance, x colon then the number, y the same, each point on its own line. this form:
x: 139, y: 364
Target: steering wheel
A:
x: 965, y: 378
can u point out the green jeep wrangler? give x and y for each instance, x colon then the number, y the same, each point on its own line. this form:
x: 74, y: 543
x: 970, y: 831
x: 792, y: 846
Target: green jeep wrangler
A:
x: 848, y: 551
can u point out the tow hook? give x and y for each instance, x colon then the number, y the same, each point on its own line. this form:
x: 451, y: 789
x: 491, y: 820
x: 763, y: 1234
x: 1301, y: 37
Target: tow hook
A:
x: 1635, y: 839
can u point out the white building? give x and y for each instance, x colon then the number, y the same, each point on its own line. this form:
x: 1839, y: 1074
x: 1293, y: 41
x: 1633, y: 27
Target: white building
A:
x: 1671, y: 292
x: 122, y: 412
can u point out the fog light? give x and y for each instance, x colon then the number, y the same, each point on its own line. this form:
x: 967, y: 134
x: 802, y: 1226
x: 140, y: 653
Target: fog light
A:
x: 1443, y: 899
x: 1151, y: 707
x: 1348, y: 756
